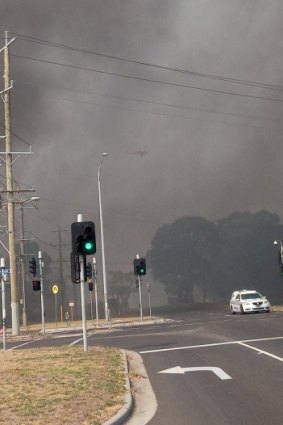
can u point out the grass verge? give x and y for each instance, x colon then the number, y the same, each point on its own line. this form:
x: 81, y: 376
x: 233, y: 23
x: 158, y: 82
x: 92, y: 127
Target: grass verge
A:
x: 61, y: 386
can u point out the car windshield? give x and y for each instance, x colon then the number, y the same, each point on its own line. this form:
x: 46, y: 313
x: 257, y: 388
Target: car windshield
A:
x: 250, y: 295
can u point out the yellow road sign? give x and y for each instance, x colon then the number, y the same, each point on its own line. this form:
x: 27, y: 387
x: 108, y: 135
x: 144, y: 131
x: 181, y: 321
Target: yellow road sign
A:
x: 55, y: 289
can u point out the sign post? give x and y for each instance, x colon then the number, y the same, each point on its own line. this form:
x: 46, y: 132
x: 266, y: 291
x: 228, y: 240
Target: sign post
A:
x: 55, y: 290
x: 72, y: 305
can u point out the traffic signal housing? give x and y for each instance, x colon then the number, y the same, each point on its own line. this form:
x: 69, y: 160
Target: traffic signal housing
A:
x: 32, y: 266
x: 140, y: 266
x: 75, y: 268
x: 36, y: 285
x: 88, y: 270
x: 83, y: 238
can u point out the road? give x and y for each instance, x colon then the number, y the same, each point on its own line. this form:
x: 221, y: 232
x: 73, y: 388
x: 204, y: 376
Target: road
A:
x: 241, y: 361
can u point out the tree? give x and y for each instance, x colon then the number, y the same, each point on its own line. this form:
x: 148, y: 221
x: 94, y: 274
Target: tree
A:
x: 120, y: 286
x: 235, y: 253
x: 248, y: 256
x: 181, y: 256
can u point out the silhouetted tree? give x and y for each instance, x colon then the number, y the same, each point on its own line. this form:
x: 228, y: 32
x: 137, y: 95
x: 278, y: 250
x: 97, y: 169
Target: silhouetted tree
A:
x: 181, y: 256
x: 120, y: 286
x: 249, y: 259
x: 235, y: 253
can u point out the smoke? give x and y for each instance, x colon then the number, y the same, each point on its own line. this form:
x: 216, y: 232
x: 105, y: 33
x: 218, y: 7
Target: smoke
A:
x: 207, y: 153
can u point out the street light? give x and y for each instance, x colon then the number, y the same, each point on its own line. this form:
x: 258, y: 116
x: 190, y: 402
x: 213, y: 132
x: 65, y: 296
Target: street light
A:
x: 281, y: 249
x: 106, y: 312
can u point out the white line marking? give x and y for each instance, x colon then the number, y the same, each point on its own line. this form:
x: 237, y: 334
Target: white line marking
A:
x: 20, y: 345
x: 188, y: 347
x: 262, y: 351
x: 75, y: 342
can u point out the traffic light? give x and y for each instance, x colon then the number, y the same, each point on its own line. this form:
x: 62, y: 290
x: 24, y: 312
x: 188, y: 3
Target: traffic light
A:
x: 75, y: 268
x: 83, y: 238
x: 88, y: 270
x: 90, y: 286
x: 140, y: 266
x: 32, y: 266
x: 36, y: 285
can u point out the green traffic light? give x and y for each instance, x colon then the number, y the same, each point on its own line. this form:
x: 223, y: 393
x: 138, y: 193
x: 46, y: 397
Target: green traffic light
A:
x: 89, y: 246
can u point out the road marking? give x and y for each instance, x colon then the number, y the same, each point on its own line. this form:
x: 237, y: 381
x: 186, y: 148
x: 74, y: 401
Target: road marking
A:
x: 261, y: 351
x: 20, y: 345
x: 78, y: 340
x: 215, y: 344
x: 217, y: 370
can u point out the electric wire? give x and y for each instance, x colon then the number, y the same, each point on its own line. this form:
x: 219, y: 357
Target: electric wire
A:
x: 149, y: 80
x: 18, y: 137
x: 150, y: 102
x: 148, y: 64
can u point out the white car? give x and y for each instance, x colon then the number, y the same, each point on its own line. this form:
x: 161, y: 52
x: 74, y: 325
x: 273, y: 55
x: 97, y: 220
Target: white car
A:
x: 247, y: 301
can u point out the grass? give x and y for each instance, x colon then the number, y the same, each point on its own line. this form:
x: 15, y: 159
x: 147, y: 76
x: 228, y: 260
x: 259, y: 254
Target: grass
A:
x: 61, y: 386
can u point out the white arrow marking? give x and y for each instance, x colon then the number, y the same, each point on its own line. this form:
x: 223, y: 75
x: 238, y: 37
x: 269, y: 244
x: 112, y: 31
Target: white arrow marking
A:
x: 177, y: 369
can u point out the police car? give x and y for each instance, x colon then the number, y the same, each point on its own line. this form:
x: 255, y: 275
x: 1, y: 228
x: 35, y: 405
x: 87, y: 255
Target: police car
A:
x: 248, y: 301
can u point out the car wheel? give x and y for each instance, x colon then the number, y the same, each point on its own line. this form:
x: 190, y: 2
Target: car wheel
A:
x: 242, y: 310
x: 232, y: 310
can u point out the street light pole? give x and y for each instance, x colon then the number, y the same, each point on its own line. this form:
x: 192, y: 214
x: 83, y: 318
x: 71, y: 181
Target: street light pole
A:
x: 41, y: 291
x: 106, y: 311
x: 22, y: 262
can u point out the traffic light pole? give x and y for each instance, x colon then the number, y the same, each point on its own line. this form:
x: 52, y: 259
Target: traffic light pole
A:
x: 140, y: 297
x: 82, y: 281
x: 94, y: 273
x: 41, y: 291
x: 136, y: 264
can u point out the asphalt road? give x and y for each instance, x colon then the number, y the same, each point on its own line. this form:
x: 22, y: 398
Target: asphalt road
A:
x: 241, y: 359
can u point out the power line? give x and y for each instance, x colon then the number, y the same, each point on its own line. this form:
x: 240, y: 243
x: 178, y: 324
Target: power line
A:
x: 148, y: 64
x: 18, y: 137
x: 116, y: 74
x: 135, y: 99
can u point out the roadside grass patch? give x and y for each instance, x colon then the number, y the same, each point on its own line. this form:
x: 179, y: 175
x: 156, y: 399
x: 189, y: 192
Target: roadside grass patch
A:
x: 60, y: 386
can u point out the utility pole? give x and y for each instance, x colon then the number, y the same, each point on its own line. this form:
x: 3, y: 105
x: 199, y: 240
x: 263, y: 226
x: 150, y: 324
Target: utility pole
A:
x: 5, y: 96
x: 10, y: 194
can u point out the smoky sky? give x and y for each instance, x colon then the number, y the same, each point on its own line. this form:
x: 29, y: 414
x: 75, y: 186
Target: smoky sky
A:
x: 208, y: 150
